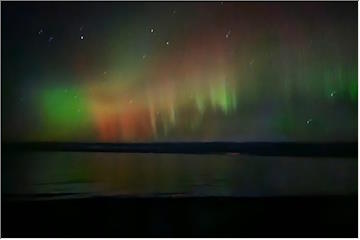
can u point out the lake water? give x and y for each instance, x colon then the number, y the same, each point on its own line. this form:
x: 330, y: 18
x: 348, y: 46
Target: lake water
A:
x: 69, y: 174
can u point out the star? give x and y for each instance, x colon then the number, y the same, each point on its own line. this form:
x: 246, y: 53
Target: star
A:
x: 227, y: 35
x: 167, y: 43
x: 82, y: 37
x: 152, y: 30
x: 309, y: 121
x: 50, y: 39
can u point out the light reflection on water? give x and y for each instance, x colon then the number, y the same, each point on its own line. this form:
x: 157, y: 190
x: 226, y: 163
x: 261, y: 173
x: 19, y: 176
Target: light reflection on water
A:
x: 99, y: 174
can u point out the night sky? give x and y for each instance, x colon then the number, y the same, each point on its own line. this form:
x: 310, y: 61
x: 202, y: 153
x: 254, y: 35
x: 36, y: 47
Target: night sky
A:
x: 186, y: 71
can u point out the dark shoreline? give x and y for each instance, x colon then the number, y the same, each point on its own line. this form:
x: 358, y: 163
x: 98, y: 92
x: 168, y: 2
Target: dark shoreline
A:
x: 316, y: 216
x: 295, y: 149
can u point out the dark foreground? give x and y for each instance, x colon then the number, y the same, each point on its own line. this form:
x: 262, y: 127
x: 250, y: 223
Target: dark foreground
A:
x: 331, y: 216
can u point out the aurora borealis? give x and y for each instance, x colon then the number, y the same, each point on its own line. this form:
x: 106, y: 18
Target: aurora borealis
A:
x: 179, y: 119
x: 179, y: 71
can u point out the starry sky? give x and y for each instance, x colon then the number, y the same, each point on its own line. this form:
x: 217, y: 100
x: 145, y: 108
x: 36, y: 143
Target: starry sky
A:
x: 179, y: 71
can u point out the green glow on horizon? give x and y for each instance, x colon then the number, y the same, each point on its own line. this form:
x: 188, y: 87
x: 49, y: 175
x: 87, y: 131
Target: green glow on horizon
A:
x: 64, y: 110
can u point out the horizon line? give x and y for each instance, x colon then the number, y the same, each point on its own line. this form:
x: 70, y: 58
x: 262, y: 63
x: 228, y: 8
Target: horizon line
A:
x: 295, y: 149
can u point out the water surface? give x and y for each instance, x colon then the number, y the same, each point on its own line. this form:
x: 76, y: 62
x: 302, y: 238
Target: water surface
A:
x: 137, y: 174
